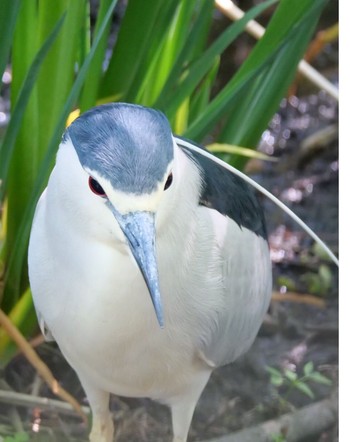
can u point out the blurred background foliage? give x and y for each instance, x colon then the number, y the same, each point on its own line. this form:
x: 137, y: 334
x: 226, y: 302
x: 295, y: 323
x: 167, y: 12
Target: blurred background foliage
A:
x: 160, y: 54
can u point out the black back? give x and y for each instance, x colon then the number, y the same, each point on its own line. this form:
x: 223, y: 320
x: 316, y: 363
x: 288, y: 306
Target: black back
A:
x: 227, y: 193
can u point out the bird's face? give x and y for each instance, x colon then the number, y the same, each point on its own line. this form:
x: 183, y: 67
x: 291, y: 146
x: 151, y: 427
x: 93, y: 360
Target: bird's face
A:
x: 121, y: 163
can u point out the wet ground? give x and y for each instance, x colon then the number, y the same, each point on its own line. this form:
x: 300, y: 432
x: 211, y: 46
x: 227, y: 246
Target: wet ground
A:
x: 303, y: 136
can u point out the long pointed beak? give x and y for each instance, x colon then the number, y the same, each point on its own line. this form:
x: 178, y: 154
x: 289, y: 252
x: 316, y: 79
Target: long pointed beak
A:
x: 139, y: 230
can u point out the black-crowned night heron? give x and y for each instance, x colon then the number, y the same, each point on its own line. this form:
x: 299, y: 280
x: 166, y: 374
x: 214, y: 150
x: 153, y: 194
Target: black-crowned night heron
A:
x: 148, y: 263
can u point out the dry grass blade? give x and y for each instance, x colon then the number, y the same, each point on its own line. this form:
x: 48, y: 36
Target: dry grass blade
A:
x: 39, y: 365
x: 299, y: 298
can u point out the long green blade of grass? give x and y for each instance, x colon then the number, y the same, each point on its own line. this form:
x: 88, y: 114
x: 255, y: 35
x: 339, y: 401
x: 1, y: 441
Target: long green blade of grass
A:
x: 183, y: 42
x: 21, y: 175
x: 192, y: 47
x: 201, y: 97
x: 24, y: 158
x: 195, y: 40
x: 165, y: 52
x: 57, y: 74
x: 93, y: 78
x: 137, y: 27
x: 196, y: 72
x: 8, y: 15
x: 153, y: 52
x: 7, y: 146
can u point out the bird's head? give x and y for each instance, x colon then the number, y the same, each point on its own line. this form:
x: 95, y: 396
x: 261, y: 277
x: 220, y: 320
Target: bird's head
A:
x: 123, y: 158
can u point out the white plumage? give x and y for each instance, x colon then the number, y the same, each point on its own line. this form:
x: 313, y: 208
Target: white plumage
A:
x: 89, y: 292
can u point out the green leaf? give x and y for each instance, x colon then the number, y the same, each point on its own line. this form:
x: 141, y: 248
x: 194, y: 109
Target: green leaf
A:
x: 238, y: 150
x: 276, y: 377
x: 304, y: 388
x: 18, y: 437
x: 319, y: 378
x: 277, y: 381
x: 308, y: 368
x: 273, y: 370
x: 320, y: 253
x: 326, y: 277
x: 290, y: 375
x: 279, y: 437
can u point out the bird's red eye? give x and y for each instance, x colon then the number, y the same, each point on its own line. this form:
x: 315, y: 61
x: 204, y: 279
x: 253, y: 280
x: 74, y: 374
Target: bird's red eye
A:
x: 96, y: 187
x: 168, y: 181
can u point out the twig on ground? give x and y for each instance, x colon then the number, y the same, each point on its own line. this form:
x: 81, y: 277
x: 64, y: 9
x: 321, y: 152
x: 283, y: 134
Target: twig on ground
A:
x: 12, y: 412
x: 28, y: 400
x: 296, y: 426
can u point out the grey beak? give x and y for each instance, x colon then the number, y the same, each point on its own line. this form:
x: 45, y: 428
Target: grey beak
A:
x: 139, y: 230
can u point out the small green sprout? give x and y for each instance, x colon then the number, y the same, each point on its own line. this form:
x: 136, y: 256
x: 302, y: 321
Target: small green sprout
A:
x: 292, y: 381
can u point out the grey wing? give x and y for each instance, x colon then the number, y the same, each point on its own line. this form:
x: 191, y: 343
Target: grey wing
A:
x: 245, y: 267
x: 241, y: 261
x: 244, y: 264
